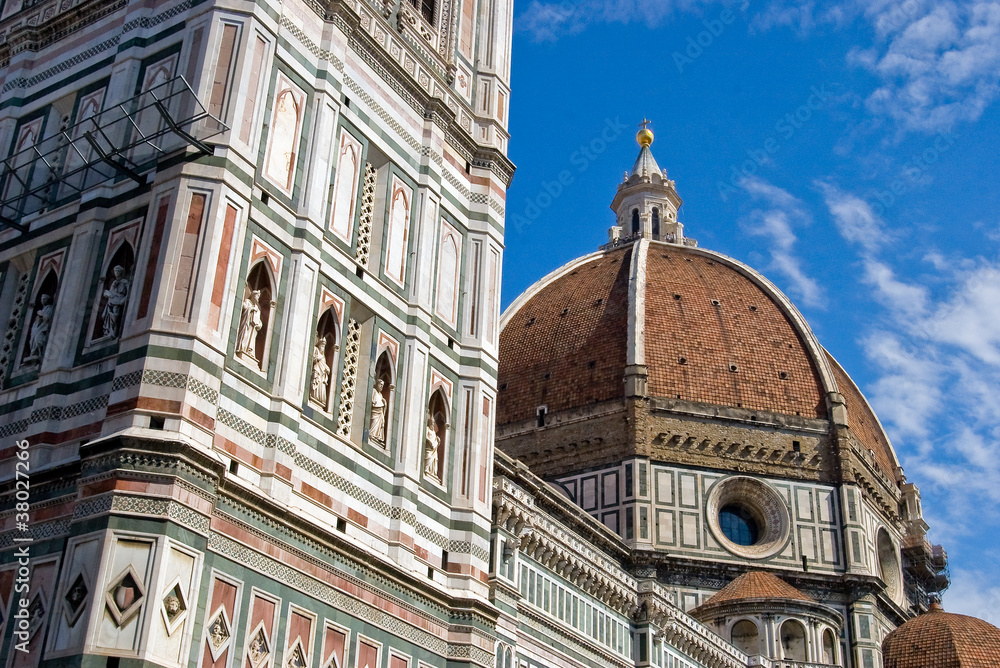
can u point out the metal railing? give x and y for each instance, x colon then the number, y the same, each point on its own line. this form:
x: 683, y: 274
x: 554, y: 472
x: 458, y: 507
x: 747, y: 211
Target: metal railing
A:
x: 125, y: 140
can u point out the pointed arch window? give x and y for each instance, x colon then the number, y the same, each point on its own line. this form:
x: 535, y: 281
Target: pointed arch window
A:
x: 28, y: 136
x: 345, y: 186
x: 656, y: 222
x: 149, y: 121
x: 448, y: 273
x: 635, y: 221
x: 283, y: 143
x: 399, y: 221
x: 255, y: 317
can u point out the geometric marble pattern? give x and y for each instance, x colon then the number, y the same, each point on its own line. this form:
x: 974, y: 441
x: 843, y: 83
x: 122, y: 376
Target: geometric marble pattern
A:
x: 294, y: 578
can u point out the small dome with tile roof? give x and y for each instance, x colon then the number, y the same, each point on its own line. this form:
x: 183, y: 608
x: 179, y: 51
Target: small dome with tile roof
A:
x: 756, y: 585
x: 939, y: 639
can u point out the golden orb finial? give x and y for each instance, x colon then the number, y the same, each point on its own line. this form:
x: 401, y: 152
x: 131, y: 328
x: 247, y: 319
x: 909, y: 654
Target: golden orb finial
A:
x: 645, y: 135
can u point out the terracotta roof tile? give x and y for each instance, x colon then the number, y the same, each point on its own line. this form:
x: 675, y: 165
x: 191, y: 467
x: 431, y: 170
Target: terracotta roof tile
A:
x: 713, y: 316
x: 565, y: 347
x: 756, y: 584
x: 939, y: 639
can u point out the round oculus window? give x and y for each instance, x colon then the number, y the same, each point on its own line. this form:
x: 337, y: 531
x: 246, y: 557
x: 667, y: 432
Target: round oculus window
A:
x: 739, y: 525
x: 747, y: 517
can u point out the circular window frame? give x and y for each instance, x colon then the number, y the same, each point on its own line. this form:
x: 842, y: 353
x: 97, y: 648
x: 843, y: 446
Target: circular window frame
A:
x: 889, y: 564
x: 763, y: 503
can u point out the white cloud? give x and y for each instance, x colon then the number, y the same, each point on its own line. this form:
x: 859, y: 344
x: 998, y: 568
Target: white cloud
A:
x: 971, y: 319
x: 776, y: 221
x: 906, y: 299
x: 800, y: 16
x: 968, y: 595
x: 855, y: 219
x: 548, y: 21
x: 906, y: 394
x: 936, y: 358
x: 938, y: 62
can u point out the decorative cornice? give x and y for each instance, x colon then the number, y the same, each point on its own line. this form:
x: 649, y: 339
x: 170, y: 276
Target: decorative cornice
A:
x: 683, y: 632
x: 559, y: 550
x: 34, y: 28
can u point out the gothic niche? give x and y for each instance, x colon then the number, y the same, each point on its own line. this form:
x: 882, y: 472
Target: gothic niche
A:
x: 324, y: 359
x: 255, y: 316
x: 41, y: 320
x: 435, y: 436
x: 378, y: 426
x: 114, y: 294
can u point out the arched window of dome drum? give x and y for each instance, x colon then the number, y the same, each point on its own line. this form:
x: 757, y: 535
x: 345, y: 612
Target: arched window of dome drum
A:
x: 656, y: 222
x: 746, y: 637
x: 793, y: 641
x: 829, y: 645
x: 739, y: 525
x: 635, y: 221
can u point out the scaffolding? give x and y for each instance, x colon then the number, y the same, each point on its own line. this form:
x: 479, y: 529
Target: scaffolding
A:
x: 125, y: 141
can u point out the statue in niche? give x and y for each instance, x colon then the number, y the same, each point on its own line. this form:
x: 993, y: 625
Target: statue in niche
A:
x: 250, y: 324
x: 376, y: 428
x: 39, y: 334
x: 321, y: 374
x: 432, y: 443
x: 117, y: 297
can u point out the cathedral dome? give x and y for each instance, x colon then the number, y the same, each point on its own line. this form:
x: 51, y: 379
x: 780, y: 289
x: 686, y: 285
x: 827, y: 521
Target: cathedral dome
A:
x: 653, y: 316
x: 939, y: 639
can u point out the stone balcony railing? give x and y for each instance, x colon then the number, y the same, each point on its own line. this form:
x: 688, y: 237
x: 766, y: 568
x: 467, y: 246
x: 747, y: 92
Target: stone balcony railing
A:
x: 762, y: 662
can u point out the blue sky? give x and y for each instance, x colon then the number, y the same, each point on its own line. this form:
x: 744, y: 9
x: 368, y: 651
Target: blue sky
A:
x: 848, y: 151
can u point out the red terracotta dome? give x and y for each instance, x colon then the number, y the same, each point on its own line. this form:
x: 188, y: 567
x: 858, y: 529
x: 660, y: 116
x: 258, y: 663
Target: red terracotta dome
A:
x: 939, y: 639
x: 704, y: 327
x: 565, y: 346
